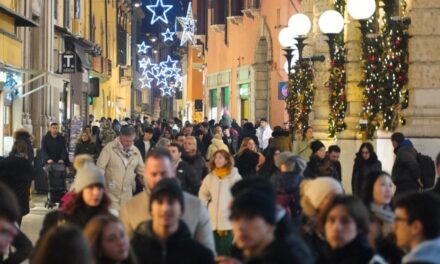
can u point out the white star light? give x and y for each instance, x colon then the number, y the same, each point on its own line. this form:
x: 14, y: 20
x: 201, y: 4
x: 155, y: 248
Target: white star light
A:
x: 166, y: 90
x: 163, y: 15
x: 168, y: 35
x: 189, y: 26
x: 145, y: 64
x: 146, y: 81
x: 142, y: 48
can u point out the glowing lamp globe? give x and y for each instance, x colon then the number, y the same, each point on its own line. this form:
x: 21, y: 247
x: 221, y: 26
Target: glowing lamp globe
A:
x: 286, y: 37
x: 300, y: 24
x: 331, y: 22
x: 361, y: 9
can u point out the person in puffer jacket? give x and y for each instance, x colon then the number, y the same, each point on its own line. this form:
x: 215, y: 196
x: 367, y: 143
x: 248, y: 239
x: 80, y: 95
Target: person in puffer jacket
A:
x: 215, y: 193
x: 216, y: 144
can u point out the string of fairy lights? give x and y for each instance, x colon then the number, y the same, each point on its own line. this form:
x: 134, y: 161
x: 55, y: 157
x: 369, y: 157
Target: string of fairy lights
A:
x: 337, y: 80
x: 385, y: 66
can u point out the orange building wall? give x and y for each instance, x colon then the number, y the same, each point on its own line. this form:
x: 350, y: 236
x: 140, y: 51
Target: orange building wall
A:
x: 242, y: 42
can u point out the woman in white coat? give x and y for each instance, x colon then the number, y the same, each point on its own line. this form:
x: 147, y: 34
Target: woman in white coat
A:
x: 215, y: 193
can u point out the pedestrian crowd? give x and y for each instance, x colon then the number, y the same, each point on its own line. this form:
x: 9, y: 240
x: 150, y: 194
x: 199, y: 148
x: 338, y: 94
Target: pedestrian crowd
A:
x: 166, y: 192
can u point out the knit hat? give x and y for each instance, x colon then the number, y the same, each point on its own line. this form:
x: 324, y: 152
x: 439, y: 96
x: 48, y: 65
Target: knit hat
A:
x: 316, y: 145
x: 169, y: 188
x: 88, y: 175
x: 316, y: 190
x: 253, y: 203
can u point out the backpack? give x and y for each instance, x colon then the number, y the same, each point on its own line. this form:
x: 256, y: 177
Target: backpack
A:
x: 427, y: 170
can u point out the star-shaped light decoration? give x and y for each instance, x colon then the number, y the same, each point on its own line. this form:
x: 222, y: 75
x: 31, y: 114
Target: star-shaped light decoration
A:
x: 168, y: 35
x: 166, y: 90
x: 145, y: 64
x: 163, y: 15
x: 142, y: 48
x: 188, y: 24
x: 146, y: 81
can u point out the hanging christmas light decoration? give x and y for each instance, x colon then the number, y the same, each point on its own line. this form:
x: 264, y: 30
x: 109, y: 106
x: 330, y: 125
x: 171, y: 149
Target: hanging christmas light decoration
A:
x: 188, y: 24
x: 161, y: 14
x: 142, y: 48
x: 168, y: 35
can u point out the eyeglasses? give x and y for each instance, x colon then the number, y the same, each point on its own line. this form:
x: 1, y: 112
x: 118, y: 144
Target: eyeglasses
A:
x: 365, y: 152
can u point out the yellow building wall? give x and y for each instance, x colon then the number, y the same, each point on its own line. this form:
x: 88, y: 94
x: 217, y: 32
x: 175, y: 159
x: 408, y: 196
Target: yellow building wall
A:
x: 11, y: 49
x: 11, y: 4
x: 117, y: 95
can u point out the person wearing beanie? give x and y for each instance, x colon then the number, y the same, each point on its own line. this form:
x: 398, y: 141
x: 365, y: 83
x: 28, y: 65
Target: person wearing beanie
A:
x: 215, y: 193
x: 319, y: 164
x: 89, y: 200
x: 254, y: 220
x: 166, y: 238
x: 316, y: 196
x: 287, y: 184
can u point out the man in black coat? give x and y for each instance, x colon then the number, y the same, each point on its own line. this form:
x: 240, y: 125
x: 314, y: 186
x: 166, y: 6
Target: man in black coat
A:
x: 406, y: 169
x: 165, y: 238
x: 207, y: 137
x: 53, y: 146
x: 146, y: 143
x: 184, y: 172
x: 194, y: 159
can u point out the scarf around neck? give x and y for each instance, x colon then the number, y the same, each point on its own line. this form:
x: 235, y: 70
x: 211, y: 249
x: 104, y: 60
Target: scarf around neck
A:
x: 222, y: 172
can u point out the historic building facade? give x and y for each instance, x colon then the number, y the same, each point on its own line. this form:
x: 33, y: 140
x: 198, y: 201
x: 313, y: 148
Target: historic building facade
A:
x: 241, y: 70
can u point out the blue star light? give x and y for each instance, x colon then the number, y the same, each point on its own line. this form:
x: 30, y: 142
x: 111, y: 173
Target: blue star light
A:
x: 188, y: 24
x: 142, y: 48
x: 163, y: 15
x: 168, y: 35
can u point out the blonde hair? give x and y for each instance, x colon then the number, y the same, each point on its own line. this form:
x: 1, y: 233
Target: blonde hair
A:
x: 80, y: 160
x: 307, y: 207
x: 82, y: 133
x: 243, y: 146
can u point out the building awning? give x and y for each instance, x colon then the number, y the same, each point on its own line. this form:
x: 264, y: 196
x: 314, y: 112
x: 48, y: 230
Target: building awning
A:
x: 20, y: 20
x: 80, y: 48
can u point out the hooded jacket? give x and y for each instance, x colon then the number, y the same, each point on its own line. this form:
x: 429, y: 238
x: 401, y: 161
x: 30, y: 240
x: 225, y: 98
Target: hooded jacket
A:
x: 281, y: 140
x: 198, y: 164
x: 107, y: 133
x: 425, y: 252
x: 215, y: 193
x: 406, y: 167
x: 216, y: 144
x: 119, y: 177
x: 179, y: 248
x: 187, y: 177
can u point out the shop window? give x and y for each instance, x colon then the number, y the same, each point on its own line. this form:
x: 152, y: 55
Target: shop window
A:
x: 225, y: 98
x: 213, y: 104
x: 244, y: 91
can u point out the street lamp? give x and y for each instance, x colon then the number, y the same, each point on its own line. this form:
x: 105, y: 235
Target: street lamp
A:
x: 331, y: 24
x: 361, y: 9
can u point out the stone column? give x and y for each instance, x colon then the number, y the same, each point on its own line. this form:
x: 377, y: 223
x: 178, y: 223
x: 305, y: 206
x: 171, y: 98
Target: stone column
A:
x: 317, y: 41
x: 423, y: 113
